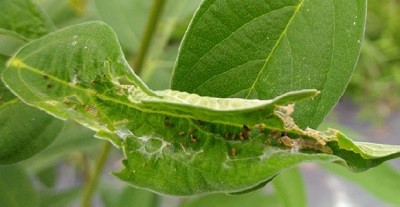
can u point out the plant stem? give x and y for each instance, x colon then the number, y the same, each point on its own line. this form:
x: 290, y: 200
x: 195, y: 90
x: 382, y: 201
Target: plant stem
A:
x: 100, y: 162
x: 155, y: 13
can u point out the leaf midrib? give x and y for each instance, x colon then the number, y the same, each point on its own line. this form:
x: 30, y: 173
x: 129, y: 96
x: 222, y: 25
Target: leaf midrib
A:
x: 232, y: 33
x: 274, y: 49
x: 19, y: 64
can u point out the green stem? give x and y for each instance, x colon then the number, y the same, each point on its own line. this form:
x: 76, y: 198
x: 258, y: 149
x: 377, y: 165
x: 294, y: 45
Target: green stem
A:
x: 90, y: 187
x: 155, y: 13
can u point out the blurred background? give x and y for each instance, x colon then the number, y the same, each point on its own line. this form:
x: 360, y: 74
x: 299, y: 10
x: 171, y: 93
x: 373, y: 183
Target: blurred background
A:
x: 368, y: 111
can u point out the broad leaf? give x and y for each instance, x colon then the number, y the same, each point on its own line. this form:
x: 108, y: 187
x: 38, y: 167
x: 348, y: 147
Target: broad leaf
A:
x: 186, y: 144
x: 17, y: 189
x: 24, y: 130
x: 290, y: 188
x: 261, y: 49
x: 73, y: 138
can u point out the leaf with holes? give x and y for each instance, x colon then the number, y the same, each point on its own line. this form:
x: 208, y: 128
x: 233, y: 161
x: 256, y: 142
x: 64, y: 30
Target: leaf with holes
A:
x: 186, y: 144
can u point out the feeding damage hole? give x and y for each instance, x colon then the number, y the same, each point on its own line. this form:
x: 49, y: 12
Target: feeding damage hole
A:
x: 152, y: 146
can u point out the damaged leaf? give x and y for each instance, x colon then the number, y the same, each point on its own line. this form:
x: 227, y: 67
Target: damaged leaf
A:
x: 175, y: 143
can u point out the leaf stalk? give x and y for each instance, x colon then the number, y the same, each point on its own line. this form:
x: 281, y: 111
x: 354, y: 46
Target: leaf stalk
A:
x: 94, y: 179
x: 155, y: 13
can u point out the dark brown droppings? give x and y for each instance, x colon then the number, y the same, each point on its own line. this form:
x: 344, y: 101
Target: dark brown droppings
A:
x: 227, y: 135
x: 241, y: 136
x: 193, y: 138
x: 233, y: 136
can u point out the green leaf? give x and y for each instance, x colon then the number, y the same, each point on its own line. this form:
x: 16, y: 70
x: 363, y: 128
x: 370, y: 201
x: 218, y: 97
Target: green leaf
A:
x: 24, y: 130
x: 261, y: 49
x: 187, y: 144
x: 290, y: 188
x: 73, y: 138
x: 25, y: 18
x: 16, y: 187
x: 361, y: 156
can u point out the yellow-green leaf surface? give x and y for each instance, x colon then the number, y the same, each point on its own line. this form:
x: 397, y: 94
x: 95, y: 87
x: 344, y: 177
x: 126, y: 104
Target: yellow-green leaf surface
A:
x: 262, y: 49
x: 175, y: 143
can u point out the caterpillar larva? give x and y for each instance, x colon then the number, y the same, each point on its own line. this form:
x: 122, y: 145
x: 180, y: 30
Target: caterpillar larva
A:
x: 297, y: 144
x: 218, y: 110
